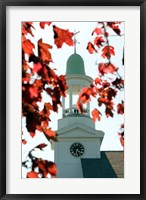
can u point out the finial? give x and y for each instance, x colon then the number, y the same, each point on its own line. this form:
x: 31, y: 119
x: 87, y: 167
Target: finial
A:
x: 75, y: 40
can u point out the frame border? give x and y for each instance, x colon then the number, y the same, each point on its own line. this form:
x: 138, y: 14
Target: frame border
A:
x: 3, y: 6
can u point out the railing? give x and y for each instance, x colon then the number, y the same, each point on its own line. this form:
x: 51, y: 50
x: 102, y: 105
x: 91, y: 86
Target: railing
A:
x: 74, y: 112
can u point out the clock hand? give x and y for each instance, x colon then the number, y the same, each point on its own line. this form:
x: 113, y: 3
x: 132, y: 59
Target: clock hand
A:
x: 77, y: 152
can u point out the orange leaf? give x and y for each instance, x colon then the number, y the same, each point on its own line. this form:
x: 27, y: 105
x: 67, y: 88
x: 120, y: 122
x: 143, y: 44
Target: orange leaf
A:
x: 62, y: 36
x: 120, y: 108
x: 91, y: 48
x: 41, y: 146
x: 98, y: 31
x: 24, y: 141
x: 96, y: 115
x: 32, y: 174
x: 52, y: 168
x: 49, y: 132
x: 105, y: 68
x: 44, y: 51
x: 107, y: 51
x: 42, y: 24
x: 80, y: 106
x: 98, y: 41
x: 97, y: 81
x: 37, y: 67
x: 26, y: 28
x: 28, y: 47
x: 32, y: 134
x: 122, y: 141
x: 42, y: 168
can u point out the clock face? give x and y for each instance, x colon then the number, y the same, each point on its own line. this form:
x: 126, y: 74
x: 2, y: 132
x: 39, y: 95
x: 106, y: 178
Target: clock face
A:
x: 77, y: 149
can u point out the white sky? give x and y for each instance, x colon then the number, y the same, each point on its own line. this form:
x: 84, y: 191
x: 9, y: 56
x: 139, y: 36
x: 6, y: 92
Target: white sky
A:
x: 109, y: 125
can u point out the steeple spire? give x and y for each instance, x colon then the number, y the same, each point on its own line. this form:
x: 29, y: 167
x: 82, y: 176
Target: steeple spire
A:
x: 75, y: 40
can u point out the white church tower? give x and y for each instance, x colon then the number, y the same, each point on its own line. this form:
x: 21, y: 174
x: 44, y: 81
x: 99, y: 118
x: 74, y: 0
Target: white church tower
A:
x: 77, y: 136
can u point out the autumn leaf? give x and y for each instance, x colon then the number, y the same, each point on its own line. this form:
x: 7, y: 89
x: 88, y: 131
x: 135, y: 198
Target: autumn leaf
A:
x: 115, y: 27
x: 37, y: 67
x: 42, y: 24
x: 62, y: 36
x: 91, y: 48
x: 28, y: 47
x: 32, y: 134
x: 105, y: 68
x: 52, y: 168
x: 107, y: 52
x: 108, y: 112
x: 96, y: 114
x: 41, y: 146
x: 118, y: 83
x: 97, y: 81
x: 43, y: 168
x: 26, y: 28
x: 80, y: 106
x: 46, y: 167
x: 121, y: 139
x: 32, y: 121
x: 106, y: 34
x: 98, y: 41
x: 98, y: 31
x: 24, y: 141
x: 120, y: 108
x: 44, y: 52
x: 48, y: 132
x: 33, y: 90
x: 32, y: 174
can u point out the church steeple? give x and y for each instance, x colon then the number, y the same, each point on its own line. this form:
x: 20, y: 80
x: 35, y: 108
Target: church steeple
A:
x: 76, y: 80
x: 77, y: 137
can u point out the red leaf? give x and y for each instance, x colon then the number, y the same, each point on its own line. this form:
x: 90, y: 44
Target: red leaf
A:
x: 107, y: 51
x: 115, y: 27
x: 28, y: 47
x: 98, y: 31
x: 32, y: 174
x: 52, y: 168
x: 91, y: 48
x: 49, y: 132
x: 121, y: 139
x: 62, y: 36
x: 46, y: 167
x: 32, y: 134
x: 122, y: 125
x: 33, y: 90
x: 118, y: 83
x: 24, y: 141
x: 42, y: 168
x: 80, y: 106
x: 96, y: 115
x: 36, y: 67
x: 41, y: 146
x: 106, y: 34
x: 109, y: 112
x: 120, y: 108
x: 105, y: 68
x: 97, y: 81
x: 26, y: 28
x: 44, y: 53
x: 42, y: 24
x: 98, y: 41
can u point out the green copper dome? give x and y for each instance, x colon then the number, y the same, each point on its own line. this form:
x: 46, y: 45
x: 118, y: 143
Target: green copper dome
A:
x: 75, y: 65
